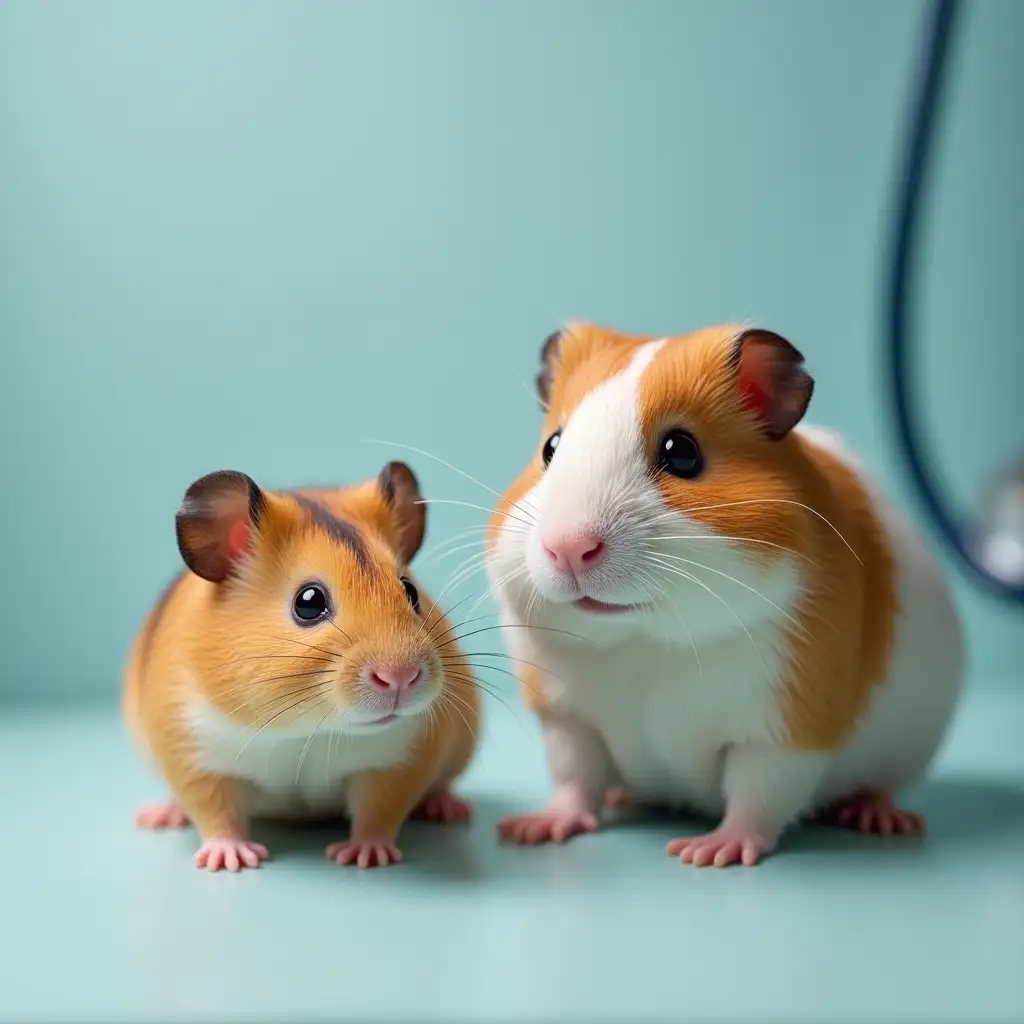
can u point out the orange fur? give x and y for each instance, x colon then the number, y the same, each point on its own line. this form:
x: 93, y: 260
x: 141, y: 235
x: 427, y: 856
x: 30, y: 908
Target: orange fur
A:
x: 805, y: 499
x: 232, y: 646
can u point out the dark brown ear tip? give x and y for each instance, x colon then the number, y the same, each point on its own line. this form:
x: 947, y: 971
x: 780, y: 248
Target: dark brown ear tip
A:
x: 397, y: 474
x: 550, y: 344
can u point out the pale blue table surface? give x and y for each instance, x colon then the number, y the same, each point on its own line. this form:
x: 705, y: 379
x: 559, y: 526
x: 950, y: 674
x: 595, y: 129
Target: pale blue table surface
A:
x: 99, y: 921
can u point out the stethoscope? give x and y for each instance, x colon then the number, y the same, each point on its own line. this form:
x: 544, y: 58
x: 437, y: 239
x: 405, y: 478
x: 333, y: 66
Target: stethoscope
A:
x: 991, y: 549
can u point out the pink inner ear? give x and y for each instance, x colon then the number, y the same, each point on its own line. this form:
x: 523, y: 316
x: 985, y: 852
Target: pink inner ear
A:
x: 753, y: 396
x: 239, y: 540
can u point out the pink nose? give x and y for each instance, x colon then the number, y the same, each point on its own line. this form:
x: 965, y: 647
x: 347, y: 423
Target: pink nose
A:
x: 397, y: 678
x: 575, y: 555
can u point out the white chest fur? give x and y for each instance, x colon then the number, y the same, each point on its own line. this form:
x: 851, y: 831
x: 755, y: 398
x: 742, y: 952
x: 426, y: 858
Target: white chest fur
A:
x: 303, y: 770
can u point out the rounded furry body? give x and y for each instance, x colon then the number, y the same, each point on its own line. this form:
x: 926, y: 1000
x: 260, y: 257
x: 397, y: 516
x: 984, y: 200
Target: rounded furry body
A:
x: 789, y: 645
x: 249, y: 712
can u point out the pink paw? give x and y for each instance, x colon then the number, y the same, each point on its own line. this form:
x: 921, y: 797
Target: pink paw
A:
x: 444, y: 807
x: 364, y: 853
x: 875, y: 814
x: 165, y: 815
x: 554, y: 825
x: 230, y: 854
x: 616, y: 798
x: 728, y: 844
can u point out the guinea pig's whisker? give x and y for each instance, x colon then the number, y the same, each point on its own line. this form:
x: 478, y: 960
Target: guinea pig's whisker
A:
x: 663, y: 591
x: 666, y: 568
x: 459, y: 625
x: 507, y: 657
x: 479, y: 508
x: 738, y: 582
x: 455, y: 469
x: 775, y: 501
x: 740, y: 540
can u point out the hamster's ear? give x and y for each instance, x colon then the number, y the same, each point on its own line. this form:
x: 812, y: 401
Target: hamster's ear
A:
x: 217, y: 521
x: 548, y: 359
x: 772, y: 381
x: 401, y: 492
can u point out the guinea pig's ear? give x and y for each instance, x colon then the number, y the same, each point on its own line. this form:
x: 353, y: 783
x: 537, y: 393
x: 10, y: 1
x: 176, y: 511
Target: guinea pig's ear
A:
x: 772, y: 381
x: 548, y: 359
x: 401, y: 492
x: 217, y: 521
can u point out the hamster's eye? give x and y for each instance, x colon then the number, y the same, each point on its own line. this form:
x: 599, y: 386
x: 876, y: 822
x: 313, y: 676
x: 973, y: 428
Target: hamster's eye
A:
x: 549, y: 447
x: 680, y: 455
x: 412, y: 594
x: 310, y: 604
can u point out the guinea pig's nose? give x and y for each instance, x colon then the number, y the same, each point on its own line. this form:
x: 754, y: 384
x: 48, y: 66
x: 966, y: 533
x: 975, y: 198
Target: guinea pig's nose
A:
x: 396, y: 678
x: 575, y: 555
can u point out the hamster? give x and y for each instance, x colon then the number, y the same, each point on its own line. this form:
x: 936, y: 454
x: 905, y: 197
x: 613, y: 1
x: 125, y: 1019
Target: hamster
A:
x: 296, y: 669
x: 716, y: 609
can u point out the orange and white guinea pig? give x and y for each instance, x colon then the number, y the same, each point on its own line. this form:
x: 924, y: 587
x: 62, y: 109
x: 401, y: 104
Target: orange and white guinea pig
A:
x: 298, y: 670
x: 731, y: 619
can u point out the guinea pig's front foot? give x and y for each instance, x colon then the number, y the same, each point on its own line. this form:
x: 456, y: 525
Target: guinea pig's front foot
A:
x: 874, y: 814
x: 230, y: 854
x: 562, y: 819
x: 730, y: 843
x: 161, y: 815
x: 444, y: 807
x: 365, y: 852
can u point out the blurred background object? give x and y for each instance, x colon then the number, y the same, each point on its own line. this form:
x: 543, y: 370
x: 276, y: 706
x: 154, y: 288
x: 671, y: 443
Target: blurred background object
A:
x: 251, y: 235
x: 991, y: 547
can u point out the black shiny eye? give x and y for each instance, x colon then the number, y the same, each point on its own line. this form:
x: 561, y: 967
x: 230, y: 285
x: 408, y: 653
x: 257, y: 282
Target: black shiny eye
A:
x: 412, y: 594
x: 680, y: 455
x: 549, y: 447
x: 310, y: 604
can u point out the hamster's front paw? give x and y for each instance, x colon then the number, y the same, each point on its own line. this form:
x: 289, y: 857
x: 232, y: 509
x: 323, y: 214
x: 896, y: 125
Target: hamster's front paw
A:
x: 163, y: 815
x: 553, y: 825
x: 364, y: 853
x: 230, y: 853
x: 444, y: 807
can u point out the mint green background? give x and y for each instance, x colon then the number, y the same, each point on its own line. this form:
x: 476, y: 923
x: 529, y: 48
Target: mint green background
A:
x: 251, y: 235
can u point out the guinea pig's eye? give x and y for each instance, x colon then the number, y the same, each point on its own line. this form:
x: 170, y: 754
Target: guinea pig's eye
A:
x: 310, y: 604
x: 412, y: 594
x: 680, y: 455
x: 549, y: 447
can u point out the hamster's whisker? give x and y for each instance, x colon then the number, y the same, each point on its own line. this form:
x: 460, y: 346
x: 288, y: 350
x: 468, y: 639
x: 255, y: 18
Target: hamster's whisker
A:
x: 341, y: 631
x: 273, y: 657
x: 461, y: 472
x: 775, y: 501
x: 479, y: 508
x: 490, y: 693
x: 450, y: 703
x: 310, y: 647
x: 746, y: 586
x: 507, y: 657
x: 514, y: 625
x: 667, y: 568
x: 248, y: 684
x: 273, y: 718
x: 312, y: 736
x: 459, y: 625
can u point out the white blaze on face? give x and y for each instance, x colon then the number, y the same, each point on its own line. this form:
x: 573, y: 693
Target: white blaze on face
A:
x: 598, y: 484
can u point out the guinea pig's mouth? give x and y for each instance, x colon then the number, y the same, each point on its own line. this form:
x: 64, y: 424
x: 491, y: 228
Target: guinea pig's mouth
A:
x: 592, y: 606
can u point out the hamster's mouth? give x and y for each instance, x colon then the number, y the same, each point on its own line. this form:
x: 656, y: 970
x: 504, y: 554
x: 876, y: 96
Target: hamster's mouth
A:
x: 595, y: 607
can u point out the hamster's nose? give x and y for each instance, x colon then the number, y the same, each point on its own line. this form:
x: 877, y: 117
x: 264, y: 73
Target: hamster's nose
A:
x: 575, y: 555
x: 394, y: 678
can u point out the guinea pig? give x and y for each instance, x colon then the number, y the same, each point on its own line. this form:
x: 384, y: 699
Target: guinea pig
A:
x: 716, y: 609
x: 296, y: 669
